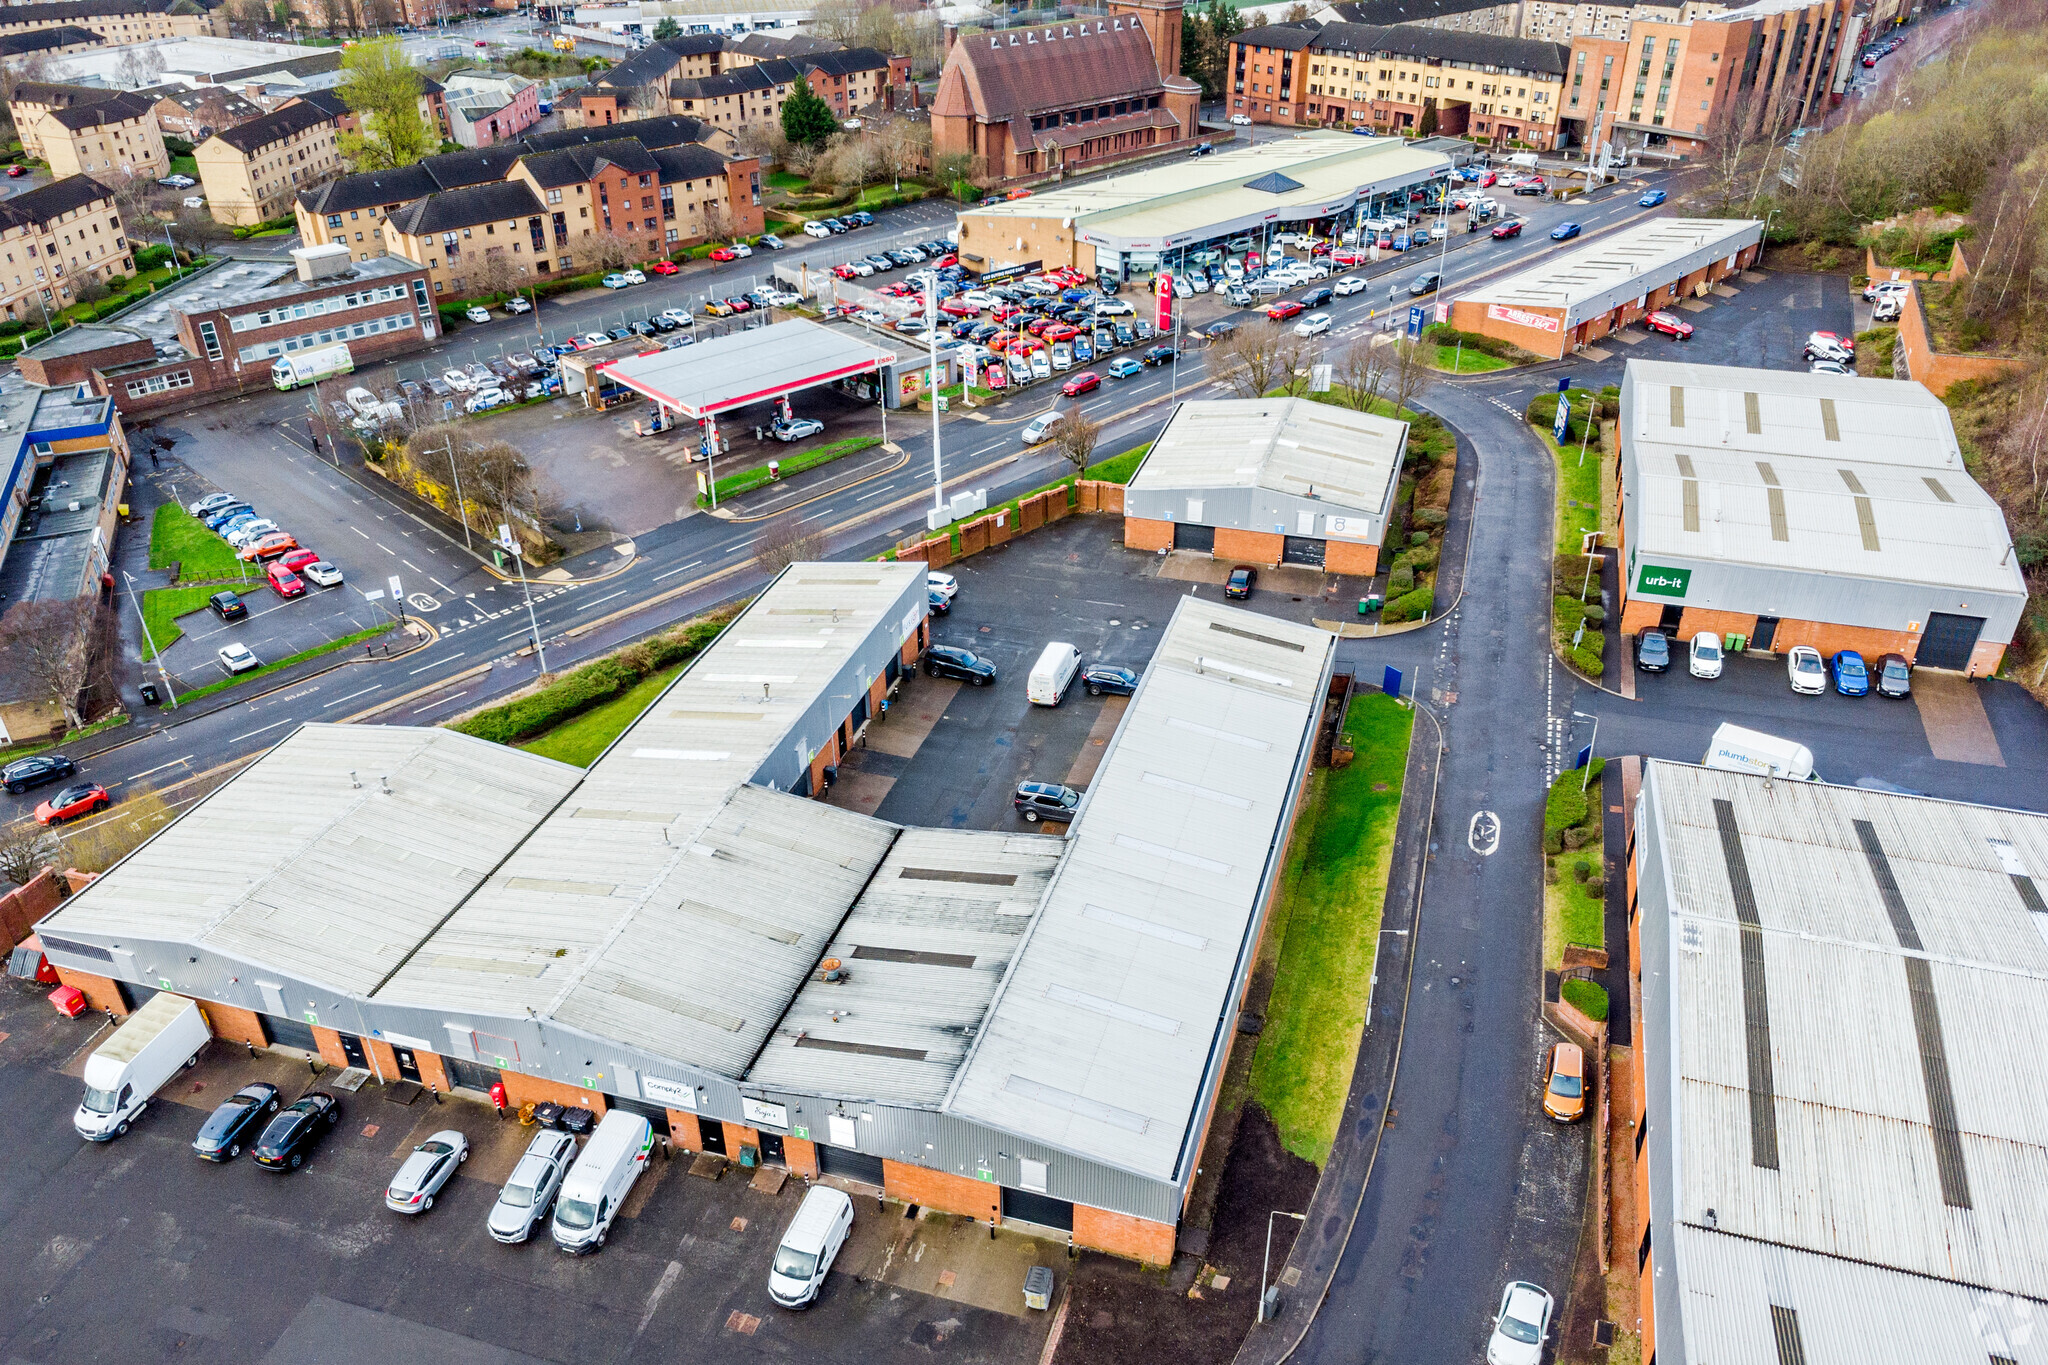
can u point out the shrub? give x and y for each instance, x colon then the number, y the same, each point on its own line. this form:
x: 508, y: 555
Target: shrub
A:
x: 1553, y: 843
x: 1587, y: 997
x: 1443, y: 334
x: 1542, y: 412
x: 1575, y: 838
x: 1580, y: 867
x: 1594, y: 616
x: 1412, y: 606
x: 1565, y: 806
x: 591, y: 684
x: 1429, y: 516
x: 1596, y: 887
x: 1401, y: 580
x: 1586, y: 658
x: 1418, y: 538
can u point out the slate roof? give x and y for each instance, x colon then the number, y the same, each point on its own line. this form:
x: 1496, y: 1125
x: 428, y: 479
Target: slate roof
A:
x: 123, y: 108
x: 257, y: 133
x: 193, y: 100
x: 691, y: 162
x: 998, y: 76
x: 44, y: 39
x: 81, y: 9
x: 1408, y: 11
x: 657, y: 59
x: 758, y: 77
x: 674, y: 130
x: 1445, y: 45
x: 1281, y: 37
x: 845, y: 63
x: 466, y: 208
x: 328, y: 101
x: 575, y: 165
x: 59, y: 96
x: 53, y: 200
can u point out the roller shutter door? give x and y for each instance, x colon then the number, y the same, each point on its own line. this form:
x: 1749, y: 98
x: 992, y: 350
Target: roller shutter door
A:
x: 288, y: 1032
x: 1949, y: 641
x: 471, y: 1075
x: 1041, y: 1209
x: 1187, y: 536
x: 1306, y: 550
x: 844, y: 1161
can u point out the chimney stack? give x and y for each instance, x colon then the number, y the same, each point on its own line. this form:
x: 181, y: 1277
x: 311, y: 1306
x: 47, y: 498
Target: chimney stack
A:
x: 952, y: 31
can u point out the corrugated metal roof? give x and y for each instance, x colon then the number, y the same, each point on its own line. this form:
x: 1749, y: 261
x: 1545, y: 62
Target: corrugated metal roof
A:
x: 1646, y: 250
x: 331, y: 855
x: 1884, y: 1030
x: 1101, y: 1039
x: 1812, y: 472
x: 1288, y: 445
x: 924, y: 950
x: 747, y: 366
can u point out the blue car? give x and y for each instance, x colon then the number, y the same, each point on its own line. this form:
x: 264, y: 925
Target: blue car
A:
x: 1650, y: 200
x: 1564, y: 232
x: 1123, y: 367
x: 1852, y: 679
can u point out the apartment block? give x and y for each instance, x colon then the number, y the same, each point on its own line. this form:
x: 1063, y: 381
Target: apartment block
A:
x: 253, y: 172
x: 54, y: 237
x: 114, y: 138
x: 118, y: 21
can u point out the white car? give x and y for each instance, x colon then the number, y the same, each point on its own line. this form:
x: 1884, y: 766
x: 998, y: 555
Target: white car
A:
x: 1314, y: 325
x: 195, y: 201
x: 430, y: 1166
x: 742, y: 249
x: 477, y: 314
x: 1241, y: 120
x: 634, y: 277
x: 236, y: 658
x: 1114, y: 308
x: 797, y: 429
x: 1706, y: 655
x: 944, y: 584
x: 816, y: 230
x: 974, y: 298
x: 212, y: 503
x: 535, y: 1181
x: 518, y: 304
x: 591, y: 340
x: 679, y: 316
x: 252, y: 530
x: 1521, y: 1325
x: 486, y: 400
x: 1829, y: 367
x: 615, y: 281
x: 457, y: 380
x: 1348, y: 285
x: 361, y: 399
x: 480, y: 376
x: 321, y: 574
x: 1045, y: 421
x: 1199, y: 282
x: 178, y: 182
x: 1808, y: 675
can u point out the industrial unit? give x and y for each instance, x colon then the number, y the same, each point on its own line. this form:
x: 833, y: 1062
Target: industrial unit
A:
x: 1565, y: 302
x: 1841, y: 1124
x: 1269, y: 481
x: 1809, y: 509
x: 1009, y: 1027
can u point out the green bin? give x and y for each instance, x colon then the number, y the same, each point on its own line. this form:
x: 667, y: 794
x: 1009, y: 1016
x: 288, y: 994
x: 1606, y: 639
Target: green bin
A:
x: 1736, y: 644
x: 1368, y: 605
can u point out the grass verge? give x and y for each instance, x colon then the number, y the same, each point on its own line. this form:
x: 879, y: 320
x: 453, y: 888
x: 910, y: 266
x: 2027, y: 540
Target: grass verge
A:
x: 119, y: 718
x: 1587, y: 997
x: 594, y: 684
x: 161, y: 608
x: 1574, y: 908
x: 1454, y: 360
x: 1325, y: 930
x: 178, y: 537
x: 1115, y: 469
x: 581, y: 740
x: 330, y: 647
x: 748, y: 480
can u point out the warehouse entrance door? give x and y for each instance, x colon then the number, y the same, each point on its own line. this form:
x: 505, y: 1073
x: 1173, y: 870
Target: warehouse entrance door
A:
x: 1301, y: 550
x: 1187, y: 536
x: 1766, y: 630
x: 1949, y: 641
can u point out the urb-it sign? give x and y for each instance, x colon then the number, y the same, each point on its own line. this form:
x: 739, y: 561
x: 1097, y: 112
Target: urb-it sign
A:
x: 1661, y: 582
x: 1521, y: 317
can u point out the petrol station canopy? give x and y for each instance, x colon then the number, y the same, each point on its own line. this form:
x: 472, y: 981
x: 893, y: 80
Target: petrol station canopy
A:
x: 751, y: 366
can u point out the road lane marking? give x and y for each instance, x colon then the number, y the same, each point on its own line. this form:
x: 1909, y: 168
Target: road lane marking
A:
x: 588, y: 605
x: 358, y: 530
x: 351, y: 697
x: 670, y: 573
x: 441, y: 703
x: 137, y: 777
x: 253, y: 733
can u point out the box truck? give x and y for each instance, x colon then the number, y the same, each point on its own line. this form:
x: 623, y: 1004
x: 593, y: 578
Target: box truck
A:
x: 158, y: 1039
x: 291, y: 371
x: 1737, y: 750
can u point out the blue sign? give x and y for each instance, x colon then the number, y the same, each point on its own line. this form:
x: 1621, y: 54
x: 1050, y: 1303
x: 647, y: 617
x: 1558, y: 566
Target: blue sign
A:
x: 1415, y: 316
x: 1391, y: 684
x: 1585, y: 757
x: 1563, y: 382
x: 1564, y: 417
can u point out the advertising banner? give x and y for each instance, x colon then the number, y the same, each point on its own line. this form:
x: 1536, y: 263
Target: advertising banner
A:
x: 1163, y: 283
x: 1521, y: 317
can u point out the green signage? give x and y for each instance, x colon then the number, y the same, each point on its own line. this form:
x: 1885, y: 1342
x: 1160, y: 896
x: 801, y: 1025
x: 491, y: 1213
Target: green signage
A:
x: 1663, y: 582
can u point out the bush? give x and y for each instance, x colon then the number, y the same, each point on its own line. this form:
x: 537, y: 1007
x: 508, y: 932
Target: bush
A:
x: 1430, y: 516
x: 591, y: 684
x: 1586, y: 658
x: 1401, y: 580
x: 1412, y: 606
x: 1553, y: 843
x: 1443, y: 334
x: 1595, y: 617
x: 1596, y: 887
x: 1565, y: 806
x: 1581, y: 869
x: 1575, y: 838
x: 1587, y: 997
x: 1418, y: 538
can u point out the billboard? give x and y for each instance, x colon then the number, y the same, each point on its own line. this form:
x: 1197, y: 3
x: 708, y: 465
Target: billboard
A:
x: 1163, y: 289
x: 1521, y: 317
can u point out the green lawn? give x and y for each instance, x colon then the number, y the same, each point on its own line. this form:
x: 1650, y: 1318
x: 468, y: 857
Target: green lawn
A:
x: 1466, y: 361
x: 582, y: 739
x: 161, y: 608
x: 184, y: 165
x: 749, y: 479
x: 1325, y: 930
x: 12, y: 752
x: 330, y: 647
x: 787, y: 180
x: 1579, y: 489
x: 1587, y: 997
x: 177, y: 537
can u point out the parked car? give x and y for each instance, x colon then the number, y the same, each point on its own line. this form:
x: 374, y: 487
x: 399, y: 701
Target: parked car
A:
x: 476, y: 314
x: 284, y: 582
x: 211, y: 503
x: 1241, y: 120
x: 1852, y: 679
x: 722, y: 253
x: 72, y: 803
x: 524, y: 1201
x: 268, y: 546
x: 1670, y: 324
x: 291, y: 1137
x: 947, y: 661
x: 1238, y: 587
x: 242, y: 530
x: 321, y: 574
x: 679, y: 316
x: 1829, y: 367
x: 235, y: 1122
x: 816, y: 229
x: 1826, y: 346
x: 1653, y: 650
x: 1564, y: 1083
x: 1037, y: 801
x: 1563, y: 232
x: 616, y: 281
x: 942, y: 583
x: 457, y: 380
x: 1893, y: 676
x: 422, y: 1174
x: 236, y: 658
x: 1081, y: 383
x: 24, y: 773
x: 1803, y: 668
x: 768, y: 240
x: 1650, y: 200
x: 220, y: 516
x: 518, y: 304
x: 228, y: 606
x: 1705, y: 655
x: 488, y: 399
x: 1521, y: 1325
x: 1112, y: 679
x: 796, y: 429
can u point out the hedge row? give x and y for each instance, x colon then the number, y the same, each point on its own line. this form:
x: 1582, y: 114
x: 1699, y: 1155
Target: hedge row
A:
x: 575, y: 693
x: 1443, y: 334
x: 1412, y: 606
x: 1568, y: 805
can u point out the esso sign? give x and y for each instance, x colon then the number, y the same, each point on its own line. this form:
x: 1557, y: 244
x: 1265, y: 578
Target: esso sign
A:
x: 1163, y: 318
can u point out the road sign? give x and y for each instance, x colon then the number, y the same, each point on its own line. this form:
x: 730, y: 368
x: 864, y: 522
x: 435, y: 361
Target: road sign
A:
x: 1319, y: 379
x: 1564, y: 381
x: 1564, y: 417
x: 1415, y: 318
x: 396, y: 591
x: 374, y: 595
x: 1391, y: 682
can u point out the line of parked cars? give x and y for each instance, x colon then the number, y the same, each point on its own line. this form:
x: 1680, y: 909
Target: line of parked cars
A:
x: 287, y: 565
x: 74, y: 801
x: 1809, y: 674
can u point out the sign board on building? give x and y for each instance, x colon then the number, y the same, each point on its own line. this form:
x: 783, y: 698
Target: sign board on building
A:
x: 1004, y: 273
x: 1163, y: 318
x: 762, y: 1114
x: 673, y: 1094
x: 1521, y: 317
x: 1661, y: 582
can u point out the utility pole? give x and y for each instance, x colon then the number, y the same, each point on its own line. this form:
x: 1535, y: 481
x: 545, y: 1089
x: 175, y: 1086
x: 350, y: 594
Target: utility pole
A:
x: 169, y: 694
x: 931, y: 332
x: 510, y: 544
x: 461, y: 507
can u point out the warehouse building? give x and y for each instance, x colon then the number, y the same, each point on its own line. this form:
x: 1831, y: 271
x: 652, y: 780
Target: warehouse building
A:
x: 1840, y: 1118
x: 1007, y: 1027
x: 1269, y: 481
x: 1809, y: 509
x: 1568, y: 301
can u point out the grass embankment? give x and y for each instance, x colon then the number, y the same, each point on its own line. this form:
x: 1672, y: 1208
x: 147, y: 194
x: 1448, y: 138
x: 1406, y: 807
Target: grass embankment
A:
x: 749, y: 479
x: 1574, y: 876
x: 581, y: 740
x: 1326, y: 927
x: 253, y: 674
x: 177, y: 537
x: 1455, y: 359
x: 12, y: 752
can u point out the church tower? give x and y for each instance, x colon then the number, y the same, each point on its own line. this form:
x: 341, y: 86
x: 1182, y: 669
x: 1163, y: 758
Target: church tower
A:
x: 1161, y: 22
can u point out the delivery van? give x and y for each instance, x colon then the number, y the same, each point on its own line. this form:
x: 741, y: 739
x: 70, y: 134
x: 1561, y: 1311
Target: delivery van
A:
x: 814, y: 1238
x: 1737, y: 750
x: 600, y: 1180
x: 1051, y: 675
x: 158, y: 1040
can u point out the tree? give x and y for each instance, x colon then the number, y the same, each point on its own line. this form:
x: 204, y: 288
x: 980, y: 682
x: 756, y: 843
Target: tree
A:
x: 603, y: 251
x: 1360, y: 373
x: 1076, y: 435
x: 667, y: 28
x: 905, y: 148
x: 785, y: 541
x: 49, y: 644
x: 496, y: 273
x: 381, y: 87
x: 25, y: 850
x: 1427, y: 127
x: 806, y: 119
x: 1406, y: 373
x: 1253, y: 358
x: 138, y: 67
x: 281, y: 13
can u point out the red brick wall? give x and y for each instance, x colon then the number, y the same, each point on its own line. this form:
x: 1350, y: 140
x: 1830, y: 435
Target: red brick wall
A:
x: 682, y: 1131
x: 801, y: 1156
x: 100, y: 992
x: 738, y: 1135
x: 1348, y: 557
x: 1141, y: 533
x: 1257, y: 547
x: 329, y: 1043
x: 234, y: 1025
x: 942, y: 1190
x: 1120, y: 1234
x: 520, y: 1089
x: 432, y: 1072
x: 23, y: 906
x: 1471, y: 317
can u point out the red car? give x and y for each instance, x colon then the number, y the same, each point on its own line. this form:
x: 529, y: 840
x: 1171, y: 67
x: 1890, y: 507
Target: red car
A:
x: 1038, y: 327
x: 739, y: 305
x: 1004, y: 313
x: 1283, y: 310
x: 1081, y: 383
x: 955, y: 308
x: 1670, y: 325
x: 1061, y: 331
x: 949, y: 258
x: 284, y: 582
x: 1507, y: 230
x: 72, y: 802
x: 16, y: 171
x: 845, y: 272
x: 723, y: 253
x: 1487, y: 180
x: 1018, y: 194
x: 299, y: 559
x: 666, y: 268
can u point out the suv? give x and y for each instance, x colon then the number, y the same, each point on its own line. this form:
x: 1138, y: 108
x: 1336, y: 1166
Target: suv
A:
x: 228, y: 606
x: 1037, y: 801
x: 945, y: 661
x: 34, y: 772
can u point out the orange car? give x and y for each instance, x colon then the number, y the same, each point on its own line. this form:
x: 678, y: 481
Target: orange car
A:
x: 1564, y: 1083
x: 270, y: 546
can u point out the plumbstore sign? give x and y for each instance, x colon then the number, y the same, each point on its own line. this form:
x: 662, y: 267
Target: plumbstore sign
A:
x: 1661, y: 582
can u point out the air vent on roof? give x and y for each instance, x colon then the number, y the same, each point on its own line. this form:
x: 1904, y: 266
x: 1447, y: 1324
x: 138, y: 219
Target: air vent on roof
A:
x: 1254, y: 635
x: 901, y: 1054
x: 915, y: 956
x: 947, y: 874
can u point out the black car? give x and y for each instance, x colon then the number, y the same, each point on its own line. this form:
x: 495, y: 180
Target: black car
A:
x: 1158, y: 355
x: 1317, y: 297
x: 1110, y: 284
x: 1037, y: 801
x: 944, y: 661
x: 1653, y: 650
x: 231, y: 1127
x: 293, y: 1134
x: 24, y: 773
x: 620, y: 334
x: 1219, y: 330
x: 662, y: 324
x: 1893, y: 675
x: 1101, y: 678
x: 642, y: 329
x: 942, y: 605
x: 1238, y: 587
x: 1426, y: 283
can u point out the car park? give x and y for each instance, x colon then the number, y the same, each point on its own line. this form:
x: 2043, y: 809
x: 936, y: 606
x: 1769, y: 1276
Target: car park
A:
x: 1521, y: 1325
x: 1852, y: 679
x: 1563, y: 232
x: 73, y: 803
x: 244, y: 533
x: 1511, y: 228
x: 1670, y: 324
x: 235, y: 1122
x: 531, y: 1189
x: 1803, y: 668
x: 236, y: 658
x: 228, y: 606
x: 1653, y: 650
x: 284, y: 582
x: 36, y: 770
x: 1564, y: 1083
x: 291, y: 1137
x: 1037, y: 801
x: 1238, y: 586
x: 599, y: 1181
x: 321, y: 574
x: 430, y: 1165
x: 962, y: 665
x: 1108, y: 679
x: 1705, y: 655
x: 809, y: 1246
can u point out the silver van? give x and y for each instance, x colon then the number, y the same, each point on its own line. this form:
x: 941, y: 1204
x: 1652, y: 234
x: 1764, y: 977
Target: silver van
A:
x: 815, y: 1235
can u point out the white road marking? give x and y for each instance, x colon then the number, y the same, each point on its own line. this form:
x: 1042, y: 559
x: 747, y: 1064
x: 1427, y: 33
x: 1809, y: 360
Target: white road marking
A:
x: 600, y: 601
x: 671, y: 573
x: 441, y: 703
x: 137, y: 777
x: 253, y: 733
x: 358, y: 532
x: 350, y: 697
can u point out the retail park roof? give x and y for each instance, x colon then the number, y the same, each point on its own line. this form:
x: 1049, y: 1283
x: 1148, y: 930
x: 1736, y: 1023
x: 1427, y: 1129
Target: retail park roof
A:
x: 1886, y: 957
x: 1629, y: 263
x: 1119, y: 1008
x: 1286, y: 445
x: 351, y: 843
x: 1810, y: 472
x: 923, y: 951
x: 749, y: 366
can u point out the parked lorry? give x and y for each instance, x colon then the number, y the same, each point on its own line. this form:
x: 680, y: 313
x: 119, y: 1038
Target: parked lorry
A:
x: 310, y: 367
x: 158, y: 1040
x: 1738, y: 750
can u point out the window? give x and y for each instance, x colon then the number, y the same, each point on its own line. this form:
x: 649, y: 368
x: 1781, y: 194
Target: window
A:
x: 211, y: 339
x: 160, y: 383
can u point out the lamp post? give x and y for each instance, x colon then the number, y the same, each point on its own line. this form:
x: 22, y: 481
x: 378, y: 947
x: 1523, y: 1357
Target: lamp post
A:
x: 169, y: 695
x: 1581, y: 715
x: 461, y: 507
x: 931, y: 333
x: 1267, y: 1309
x: 510, y: 544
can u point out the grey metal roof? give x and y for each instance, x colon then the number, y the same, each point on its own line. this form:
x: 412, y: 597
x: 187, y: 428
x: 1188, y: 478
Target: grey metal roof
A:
x: 924, y: 950
x: 1815, y: 473
x: 1857, y: 987
x: 747, y: 367
x: 1287, y: 445
x: 1103, y: 1038
x: 1646, y: 253
x: 331, y: 855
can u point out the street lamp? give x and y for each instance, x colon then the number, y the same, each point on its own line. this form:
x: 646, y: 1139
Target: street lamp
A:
x: 510, y: 544
x: 1269, y: 1301
x: 169, y: 695
x: 1581, y: 715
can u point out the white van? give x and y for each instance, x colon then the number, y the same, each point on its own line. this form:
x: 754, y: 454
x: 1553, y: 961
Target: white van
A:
x: 1737, y: 750
x: 600, y: 1180
x: 814, y: 1238
x: 163, y: 1036
x: 1052, y: 674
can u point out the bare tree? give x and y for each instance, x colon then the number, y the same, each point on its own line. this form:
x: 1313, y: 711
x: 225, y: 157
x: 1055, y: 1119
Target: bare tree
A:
x: 905, y: 148
x: 25, y: 850
x: 34, y: 69
x: 603, y: 251
x: 496, y: 273
x: 1360, y: 373
x: 1076, y: 435
x: 50, y: 646
x: 786, y: 541
x: 1408, y: 376
x: 139, y: 67
x: 1253, y: 358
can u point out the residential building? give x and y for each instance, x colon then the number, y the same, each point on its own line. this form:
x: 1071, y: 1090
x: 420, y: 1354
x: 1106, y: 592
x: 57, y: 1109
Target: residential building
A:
x: 1026, y: 102
x: 1500, y: 17
x: 59, y: 41
x: 113, y: 139
x: 119, y: 21
x: 33, y: 99
x: 486, y: 108
x: 53, y: 237
x: 323, y: 92
x: 453, y: 233
x: 254, y: 171
x: 352, y: 209
x: 732, y: 82
x: 196, y: 113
